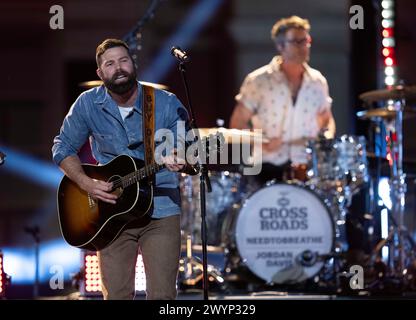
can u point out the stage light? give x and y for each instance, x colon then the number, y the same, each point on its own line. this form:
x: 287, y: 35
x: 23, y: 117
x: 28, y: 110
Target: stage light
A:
x: 384, y: 217
x: 387, y: 14
x: 2, y: 285
x: 384, y: 192
x: 389, y: 80
x: 387, y: 23
x: 388, y: 42
x: 388, y: 61
x: 386, y: 52
x: 4, y: 278
x: 387, y: 32
x: 389, y: 71
x: 41, y: 172
x: 140, y: 282
x: 387, y: 4
x: 90, y: 280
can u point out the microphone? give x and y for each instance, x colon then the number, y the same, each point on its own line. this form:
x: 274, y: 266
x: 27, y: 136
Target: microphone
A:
x: 179, y: 54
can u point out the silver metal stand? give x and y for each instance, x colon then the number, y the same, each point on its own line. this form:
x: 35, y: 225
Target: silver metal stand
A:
x: 397, y: 192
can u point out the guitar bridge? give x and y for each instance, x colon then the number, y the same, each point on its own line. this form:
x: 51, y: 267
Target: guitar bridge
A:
x: 91, y: 201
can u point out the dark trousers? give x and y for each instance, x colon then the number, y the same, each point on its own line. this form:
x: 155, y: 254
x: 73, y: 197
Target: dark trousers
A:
x: 159, y: 242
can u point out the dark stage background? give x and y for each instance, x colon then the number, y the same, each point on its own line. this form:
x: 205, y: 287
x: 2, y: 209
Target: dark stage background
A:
x: 42, y: 69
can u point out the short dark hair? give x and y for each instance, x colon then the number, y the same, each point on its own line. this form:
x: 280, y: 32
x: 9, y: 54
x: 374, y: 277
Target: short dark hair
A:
x: 280, y: 28
x: 108, y: 44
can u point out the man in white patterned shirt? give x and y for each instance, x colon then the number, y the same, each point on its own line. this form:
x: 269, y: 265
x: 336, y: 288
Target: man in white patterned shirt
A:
x: 287, y: 99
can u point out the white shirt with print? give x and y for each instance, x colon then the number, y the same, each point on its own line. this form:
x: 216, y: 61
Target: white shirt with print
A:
x: 266, y: 93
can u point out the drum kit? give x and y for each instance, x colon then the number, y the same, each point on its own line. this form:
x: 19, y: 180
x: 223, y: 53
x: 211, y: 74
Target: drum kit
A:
x: 292, y: 233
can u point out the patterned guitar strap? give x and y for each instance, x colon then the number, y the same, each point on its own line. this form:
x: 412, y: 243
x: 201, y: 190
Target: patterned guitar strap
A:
x: 148, y: 103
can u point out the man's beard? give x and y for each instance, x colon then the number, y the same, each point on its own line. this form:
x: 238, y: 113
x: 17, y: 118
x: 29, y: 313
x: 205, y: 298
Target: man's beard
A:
x: 122, y: 87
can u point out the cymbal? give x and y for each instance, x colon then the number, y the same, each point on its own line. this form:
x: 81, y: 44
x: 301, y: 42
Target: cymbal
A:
x: 394, y: 93
x: 96, y: 83
x: 234, y: 135
x: 384, y: 113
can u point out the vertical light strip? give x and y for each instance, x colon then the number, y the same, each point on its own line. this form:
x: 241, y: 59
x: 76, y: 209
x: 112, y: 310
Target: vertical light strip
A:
x: 388, y: 42
x: 2, y: 280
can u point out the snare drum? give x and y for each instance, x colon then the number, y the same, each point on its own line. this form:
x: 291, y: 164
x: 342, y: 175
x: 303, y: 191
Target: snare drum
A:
x: 280, y: 233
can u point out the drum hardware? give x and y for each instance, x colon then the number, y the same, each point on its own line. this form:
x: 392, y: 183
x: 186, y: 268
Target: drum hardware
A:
x: 386, y: 271
x: 191, y: 269
x: 399, y: 258
x: 227, y: 188
x: 308, y: 258
x: 328, y: 265
x: 333, y: 269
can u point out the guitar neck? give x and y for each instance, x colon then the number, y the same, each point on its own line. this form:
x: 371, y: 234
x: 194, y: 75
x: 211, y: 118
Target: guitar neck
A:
x: 138, y: 175
x: 153, y: 168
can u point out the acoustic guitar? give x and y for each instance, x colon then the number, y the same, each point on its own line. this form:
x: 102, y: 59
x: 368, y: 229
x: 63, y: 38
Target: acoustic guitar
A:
x: 88, y: 223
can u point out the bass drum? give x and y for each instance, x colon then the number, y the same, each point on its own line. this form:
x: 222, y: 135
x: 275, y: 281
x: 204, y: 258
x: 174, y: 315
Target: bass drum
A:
x: 279, y: 233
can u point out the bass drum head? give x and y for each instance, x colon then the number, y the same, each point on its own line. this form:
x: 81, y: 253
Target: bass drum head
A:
x: 278, y: 227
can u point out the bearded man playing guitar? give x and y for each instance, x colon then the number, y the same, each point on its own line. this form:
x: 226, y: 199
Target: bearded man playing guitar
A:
x: 108, y: 199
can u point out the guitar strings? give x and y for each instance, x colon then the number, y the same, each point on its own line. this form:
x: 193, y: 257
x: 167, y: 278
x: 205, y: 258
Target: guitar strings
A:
x: 137, y: 175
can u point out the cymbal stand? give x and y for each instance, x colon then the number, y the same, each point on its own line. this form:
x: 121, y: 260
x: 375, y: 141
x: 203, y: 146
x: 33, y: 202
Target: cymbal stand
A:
x: 397, y: 256
x: 397, y: 192
x: 190, y: 267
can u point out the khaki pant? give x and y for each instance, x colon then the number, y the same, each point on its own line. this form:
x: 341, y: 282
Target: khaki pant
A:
x: 159, y: 242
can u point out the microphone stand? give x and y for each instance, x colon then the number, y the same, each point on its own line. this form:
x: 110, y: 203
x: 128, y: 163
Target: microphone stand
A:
x: 34, y: 232
x: 204, y: 179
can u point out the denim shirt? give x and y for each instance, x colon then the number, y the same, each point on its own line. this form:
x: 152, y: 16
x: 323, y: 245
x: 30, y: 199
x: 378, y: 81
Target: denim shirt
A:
x: 95, y: 116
